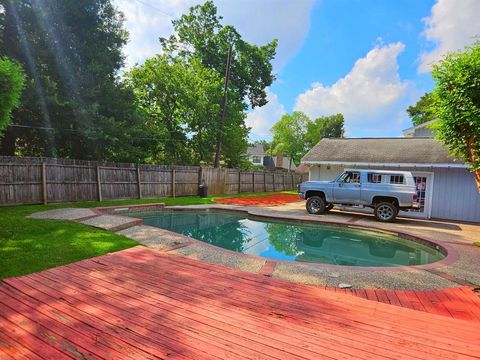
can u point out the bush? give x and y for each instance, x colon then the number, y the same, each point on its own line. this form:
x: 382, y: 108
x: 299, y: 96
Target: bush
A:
x: 12, y: 80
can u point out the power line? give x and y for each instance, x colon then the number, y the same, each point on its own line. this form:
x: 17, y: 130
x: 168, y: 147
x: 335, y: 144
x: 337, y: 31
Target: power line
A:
x: 154, y: 8
x: 79, y: 131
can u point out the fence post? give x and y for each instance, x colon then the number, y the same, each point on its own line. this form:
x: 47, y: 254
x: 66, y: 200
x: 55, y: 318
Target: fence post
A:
x: 264, y: 181
x: 293, y: 182
x: 283, y: 179
x: 273, y: 182
x: 200, y: 174
x: 44, y: 183
x: 173, y: 182
x: 139, y: 182
x: 99, y: 184
x: 253, y: 181
x: 239, y: 181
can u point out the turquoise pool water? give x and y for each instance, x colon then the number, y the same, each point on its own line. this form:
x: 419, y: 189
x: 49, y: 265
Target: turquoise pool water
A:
x: 293, y: 241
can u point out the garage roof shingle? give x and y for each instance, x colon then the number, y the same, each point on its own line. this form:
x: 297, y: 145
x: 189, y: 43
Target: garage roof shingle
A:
x: 412, y: 150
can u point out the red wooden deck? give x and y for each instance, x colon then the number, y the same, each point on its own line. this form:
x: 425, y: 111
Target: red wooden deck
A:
x: 457, y: 303
x: 144, y: 304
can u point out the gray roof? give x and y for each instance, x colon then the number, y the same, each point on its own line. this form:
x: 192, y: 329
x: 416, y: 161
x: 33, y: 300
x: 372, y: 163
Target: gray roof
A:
x: 257, y: 149
x: 414, y: 150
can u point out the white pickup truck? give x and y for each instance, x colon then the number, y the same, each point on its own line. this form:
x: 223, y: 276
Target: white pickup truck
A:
x: 387, y: 192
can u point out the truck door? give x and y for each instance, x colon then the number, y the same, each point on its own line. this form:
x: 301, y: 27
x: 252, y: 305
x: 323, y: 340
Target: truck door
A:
x: 347, y: 189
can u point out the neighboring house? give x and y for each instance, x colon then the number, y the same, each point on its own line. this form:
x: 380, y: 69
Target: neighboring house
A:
x: 445, y: 187
x: 257, y: 156
x: 422, y: 130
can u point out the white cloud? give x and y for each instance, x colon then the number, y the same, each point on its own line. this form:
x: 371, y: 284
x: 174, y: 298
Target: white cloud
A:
x: 258, y: 21
x: 262, y: 119
x: 146, y: 21
x: 451, y: 25
x: 372, y: 97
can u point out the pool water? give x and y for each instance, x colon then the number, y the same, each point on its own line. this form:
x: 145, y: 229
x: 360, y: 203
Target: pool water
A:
x: 293, y: 241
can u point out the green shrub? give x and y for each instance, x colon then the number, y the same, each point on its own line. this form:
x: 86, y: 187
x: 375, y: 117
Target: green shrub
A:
x: 12, y: 80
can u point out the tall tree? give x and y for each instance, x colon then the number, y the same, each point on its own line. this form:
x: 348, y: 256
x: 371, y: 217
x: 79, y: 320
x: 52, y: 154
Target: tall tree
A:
x: 74, y: 104
x: 331, y: 126
x: 457, y: 105
x: 421, y: 112
x: 200, y: 35
x: 289, y: 136
x: 178, y: 101
x: 12, y: 81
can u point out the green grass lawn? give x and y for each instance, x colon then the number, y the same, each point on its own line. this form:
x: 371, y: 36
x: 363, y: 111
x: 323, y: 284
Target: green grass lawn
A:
x: 30, y: 245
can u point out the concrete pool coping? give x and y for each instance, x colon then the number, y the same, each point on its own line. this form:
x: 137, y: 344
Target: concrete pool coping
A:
x: 430, y: 276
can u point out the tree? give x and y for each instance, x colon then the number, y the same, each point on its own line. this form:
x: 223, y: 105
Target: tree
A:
x: 74, y: 104
x: 12, y: 81
x: 178, y: 100
x: 289, y: 136
x: 421, y: 112
x: 456, y: 105
x: 200, y: 35
x: 331, y: 126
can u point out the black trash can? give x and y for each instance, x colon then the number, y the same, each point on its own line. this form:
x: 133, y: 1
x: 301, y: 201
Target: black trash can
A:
x: 203, y: 190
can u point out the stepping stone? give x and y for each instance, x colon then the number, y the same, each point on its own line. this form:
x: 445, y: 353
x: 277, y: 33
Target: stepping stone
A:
x: 112, y: 222
x: 64, y: 214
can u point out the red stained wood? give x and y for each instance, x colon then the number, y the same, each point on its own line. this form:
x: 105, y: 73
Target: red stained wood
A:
x: 263, y: 200
x: 141, y: 303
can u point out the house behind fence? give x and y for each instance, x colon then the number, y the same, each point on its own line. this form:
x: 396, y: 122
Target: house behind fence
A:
x: 43, y: 180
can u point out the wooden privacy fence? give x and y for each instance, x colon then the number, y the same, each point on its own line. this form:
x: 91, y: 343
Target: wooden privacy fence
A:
x: 44, y: 180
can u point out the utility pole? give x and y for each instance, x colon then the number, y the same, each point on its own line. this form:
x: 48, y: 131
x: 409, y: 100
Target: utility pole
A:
x: 224, y: 107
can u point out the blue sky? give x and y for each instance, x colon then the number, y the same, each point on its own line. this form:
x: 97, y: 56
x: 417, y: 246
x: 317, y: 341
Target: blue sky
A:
x: 367, y: 59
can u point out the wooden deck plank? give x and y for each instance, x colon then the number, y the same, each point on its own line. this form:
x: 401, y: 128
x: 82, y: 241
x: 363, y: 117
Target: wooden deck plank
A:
x: 140, y: 303
x: 134, y: 319
x: 273, y: 288
x: 79, y: 322
x: 256, y: 291
x: 418, y: 323
x: 457, y: 303
x: 10, y: 349
x: 336, y: 348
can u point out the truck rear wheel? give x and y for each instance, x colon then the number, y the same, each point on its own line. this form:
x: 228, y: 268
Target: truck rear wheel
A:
x: 385, y: 211
x: 315, y: 205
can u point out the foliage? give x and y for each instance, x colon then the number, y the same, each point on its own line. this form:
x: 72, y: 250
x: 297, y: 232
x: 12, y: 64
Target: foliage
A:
x: 457, y: 105
x: 74, y: 104
x: 421, y: 112
x: 295, y: 134
x: 12, y: 80
x: 200, y: 36
x: 176, y: 99
x: 288, y: 135
x: 331, y: 126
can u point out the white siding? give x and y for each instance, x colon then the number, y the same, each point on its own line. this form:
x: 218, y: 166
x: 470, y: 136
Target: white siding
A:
x: 455, y: 196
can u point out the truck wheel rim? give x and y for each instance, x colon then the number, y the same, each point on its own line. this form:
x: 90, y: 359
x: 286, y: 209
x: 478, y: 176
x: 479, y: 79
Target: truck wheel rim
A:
x: 385, y: 212
x: 314, y: 205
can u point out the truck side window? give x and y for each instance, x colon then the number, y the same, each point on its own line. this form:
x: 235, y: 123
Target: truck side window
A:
x: 374, y: 178
x: 396, y: 179
x: 352, y: 178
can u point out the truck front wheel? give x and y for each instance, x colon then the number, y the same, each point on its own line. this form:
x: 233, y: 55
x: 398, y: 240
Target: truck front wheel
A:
x: 385, y: 211
x: 315, y: 205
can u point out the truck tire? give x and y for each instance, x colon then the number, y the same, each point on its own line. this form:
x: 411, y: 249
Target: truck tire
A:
x: 385, y: 211
x: 328, y: 207
x: 315, y: 205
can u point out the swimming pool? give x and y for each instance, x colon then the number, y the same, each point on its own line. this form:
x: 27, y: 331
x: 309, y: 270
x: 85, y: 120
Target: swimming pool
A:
x: 293, y: 241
